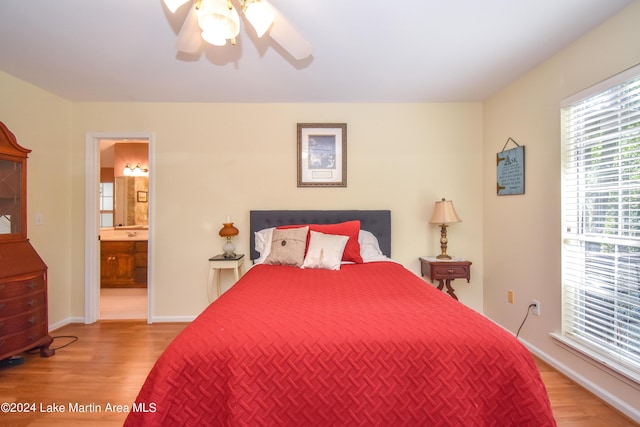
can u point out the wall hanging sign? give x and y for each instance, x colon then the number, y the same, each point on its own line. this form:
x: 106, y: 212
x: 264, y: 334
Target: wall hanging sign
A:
x: 510, y: 170
x: 322, y: 154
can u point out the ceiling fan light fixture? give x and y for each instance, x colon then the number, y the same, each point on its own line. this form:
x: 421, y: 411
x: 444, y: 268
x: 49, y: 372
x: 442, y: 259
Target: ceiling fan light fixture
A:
x: 259, y: 16
x: 212, y: 37
x: 218, y: 20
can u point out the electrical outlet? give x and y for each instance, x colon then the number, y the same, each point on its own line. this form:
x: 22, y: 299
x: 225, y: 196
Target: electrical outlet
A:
x: 510, y: 296
x: 536, y: 307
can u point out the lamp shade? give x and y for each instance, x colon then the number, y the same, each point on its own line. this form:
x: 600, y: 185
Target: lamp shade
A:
x: 444, y: 213
x: 260, y: 16
x: 219, y: 21
x: 228, y: 230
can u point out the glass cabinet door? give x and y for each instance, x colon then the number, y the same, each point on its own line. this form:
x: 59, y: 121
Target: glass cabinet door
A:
x: 11, y: 197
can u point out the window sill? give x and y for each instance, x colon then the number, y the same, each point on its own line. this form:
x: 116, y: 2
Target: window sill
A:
x: 617, y: 370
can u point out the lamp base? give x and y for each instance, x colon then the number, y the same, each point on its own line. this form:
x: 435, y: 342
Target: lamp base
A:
x: 229, y: 249
x: 443, y: 243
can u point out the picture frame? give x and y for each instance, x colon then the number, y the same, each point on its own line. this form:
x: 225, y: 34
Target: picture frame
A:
x: 142, y: 196
x: 322, y: 154
x: 510, y: 171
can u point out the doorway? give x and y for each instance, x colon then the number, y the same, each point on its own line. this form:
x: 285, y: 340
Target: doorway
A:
x: 118, y: 226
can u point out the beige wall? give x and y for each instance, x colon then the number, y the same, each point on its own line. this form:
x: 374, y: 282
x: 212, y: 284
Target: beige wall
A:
x: 210, y: 160
x: 42, y: 122
x: 522, y: 233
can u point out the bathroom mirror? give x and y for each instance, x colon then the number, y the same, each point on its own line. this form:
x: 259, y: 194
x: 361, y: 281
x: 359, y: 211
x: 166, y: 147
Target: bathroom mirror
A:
x: 131, y: 201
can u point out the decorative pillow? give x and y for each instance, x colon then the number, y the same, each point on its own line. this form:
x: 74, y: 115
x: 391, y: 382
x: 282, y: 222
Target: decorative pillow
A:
x: 325, y: 251
x: 288, y: 246
x: 347, y: 228
x: 369, y: 246
x: 263, y: 243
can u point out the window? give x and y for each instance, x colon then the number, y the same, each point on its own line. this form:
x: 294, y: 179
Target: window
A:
x: 106, y: 204
x: 601, y: 219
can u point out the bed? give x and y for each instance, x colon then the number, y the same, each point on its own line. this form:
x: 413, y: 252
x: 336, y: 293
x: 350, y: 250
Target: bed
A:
x: 366, y: 344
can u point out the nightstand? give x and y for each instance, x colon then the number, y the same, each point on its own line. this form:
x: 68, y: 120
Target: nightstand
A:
x: 445, y: 271
x: 219, y: 263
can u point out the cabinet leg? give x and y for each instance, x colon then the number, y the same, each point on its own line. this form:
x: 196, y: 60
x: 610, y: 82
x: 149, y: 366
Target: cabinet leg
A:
x: 450, y: 290
x: 45, y: 351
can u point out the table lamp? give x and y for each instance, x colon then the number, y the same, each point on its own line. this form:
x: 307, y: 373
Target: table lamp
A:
x: 444, y: 214
x: 228, y: 231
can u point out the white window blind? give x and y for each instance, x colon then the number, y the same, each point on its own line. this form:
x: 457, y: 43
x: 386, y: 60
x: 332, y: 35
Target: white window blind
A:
x: 106, y: 204
x: 601, y: 218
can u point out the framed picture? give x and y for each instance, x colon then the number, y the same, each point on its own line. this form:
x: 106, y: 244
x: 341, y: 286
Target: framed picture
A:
x: 322, y: 154
x: 142, y: 196
x: 510, y: 171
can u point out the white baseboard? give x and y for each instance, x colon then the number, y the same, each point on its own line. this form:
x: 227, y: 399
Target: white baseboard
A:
x: 67, y: 321
x: 624, y: 407
x: 158, y: 319
x: 172, y: 319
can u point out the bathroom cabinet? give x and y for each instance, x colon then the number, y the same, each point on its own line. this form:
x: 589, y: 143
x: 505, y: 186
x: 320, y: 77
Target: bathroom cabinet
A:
x: 123, y: 264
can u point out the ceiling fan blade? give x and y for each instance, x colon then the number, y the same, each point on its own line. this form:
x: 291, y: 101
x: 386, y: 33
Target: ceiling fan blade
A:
x: 285, y: 34
x: 173, y: 5
x: 189, y: 39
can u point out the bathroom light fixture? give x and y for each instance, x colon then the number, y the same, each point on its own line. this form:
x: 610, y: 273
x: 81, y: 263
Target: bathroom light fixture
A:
x: 444, y: 214
x: 228, y: 231
x: 135, y: 171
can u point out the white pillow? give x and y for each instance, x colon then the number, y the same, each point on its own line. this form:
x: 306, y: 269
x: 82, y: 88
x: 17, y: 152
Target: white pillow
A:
x: 325, y: 251
x: 263, y: 243
x: 369, y: 247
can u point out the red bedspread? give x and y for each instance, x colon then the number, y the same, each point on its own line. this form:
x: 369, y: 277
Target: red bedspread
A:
x: 371, y: 344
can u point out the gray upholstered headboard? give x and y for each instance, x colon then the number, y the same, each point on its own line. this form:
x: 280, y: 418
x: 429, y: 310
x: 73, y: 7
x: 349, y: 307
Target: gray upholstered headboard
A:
x: 377, y: 222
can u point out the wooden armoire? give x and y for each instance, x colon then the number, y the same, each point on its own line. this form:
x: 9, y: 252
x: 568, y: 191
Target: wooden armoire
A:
x: 23, y: 275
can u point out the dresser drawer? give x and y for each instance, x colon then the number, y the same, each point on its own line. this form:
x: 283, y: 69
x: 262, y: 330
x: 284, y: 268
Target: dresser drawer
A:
x: 450, y: 272
x: 12, y: 306
x: 22, y: 322
x: 116, y: 247
x: 22, y: 287
x: 24, y: 339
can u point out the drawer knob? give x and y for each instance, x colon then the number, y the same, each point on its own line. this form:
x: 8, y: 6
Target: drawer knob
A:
x: 450, y: 271
x: 32, y: 285
x: 32, y: 302
x: 31, y: 320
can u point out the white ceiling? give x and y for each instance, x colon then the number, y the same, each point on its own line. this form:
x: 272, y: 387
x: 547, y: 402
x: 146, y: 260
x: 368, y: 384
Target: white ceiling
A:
x: 364, y: 51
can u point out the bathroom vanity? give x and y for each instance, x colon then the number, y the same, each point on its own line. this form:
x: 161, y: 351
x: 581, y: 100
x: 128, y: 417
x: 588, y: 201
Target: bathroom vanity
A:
x: 123, y: 258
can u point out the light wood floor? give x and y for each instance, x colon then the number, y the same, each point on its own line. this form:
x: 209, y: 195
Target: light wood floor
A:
x: 110, y: 360
x: 123, y: 303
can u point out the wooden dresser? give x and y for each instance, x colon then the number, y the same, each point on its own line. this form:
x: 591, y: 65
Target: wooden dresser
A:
x: 23, y: 275
x: 23, y: 301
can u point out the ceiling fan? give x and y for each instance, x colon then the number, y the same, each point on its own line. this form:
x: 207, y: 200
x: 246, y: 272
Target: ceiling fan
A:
x: 216, y: 21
